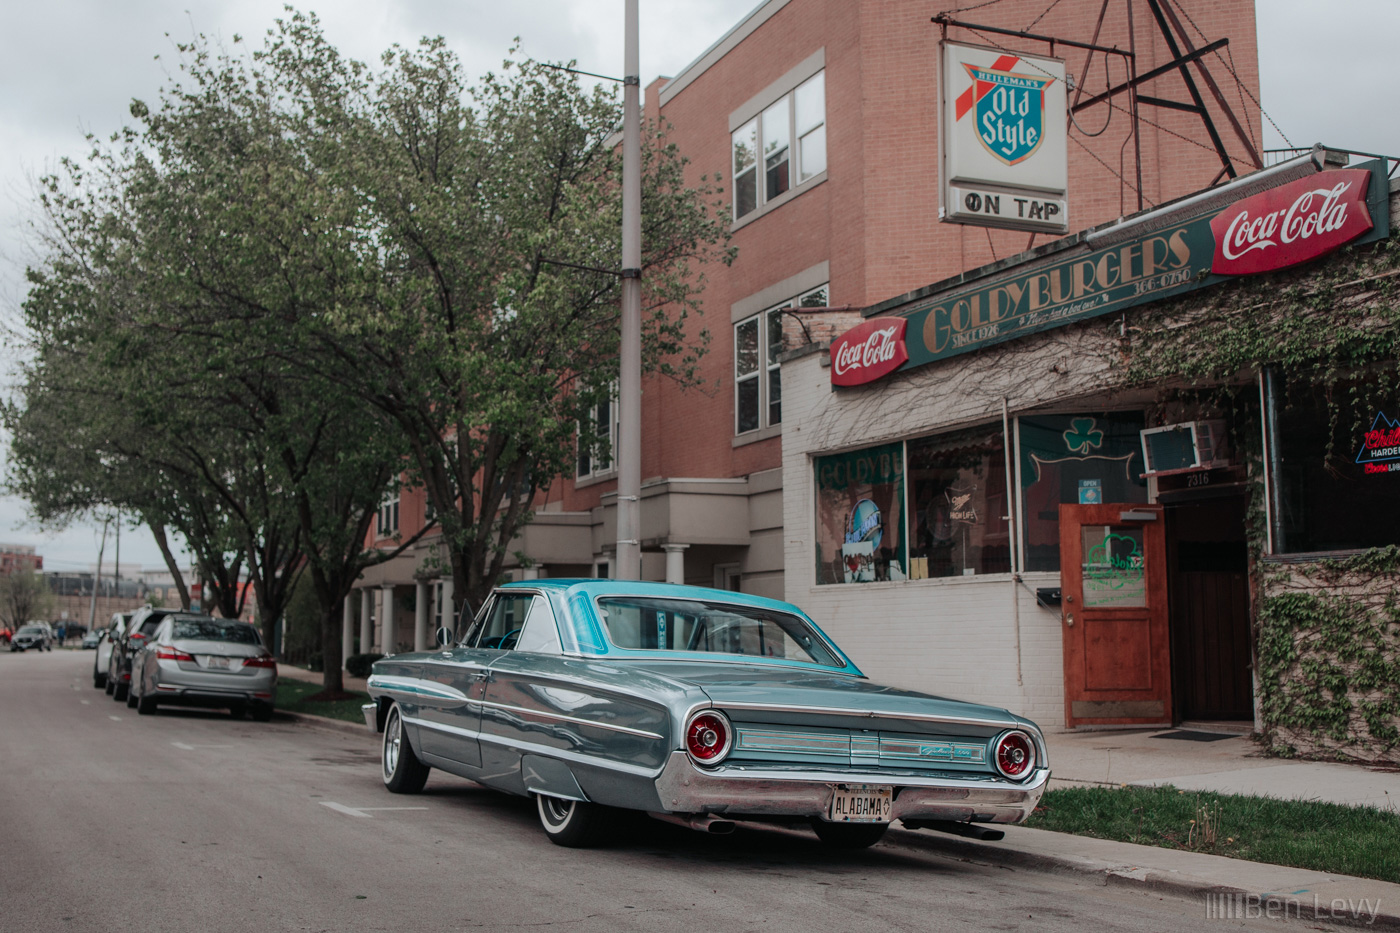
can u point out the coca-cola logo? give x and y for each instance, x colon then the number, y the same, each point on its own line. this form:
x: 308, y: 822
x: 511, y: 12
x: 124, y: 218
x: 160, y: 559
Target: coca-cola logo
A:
x: 1292, y: 223
x: 868, y: 351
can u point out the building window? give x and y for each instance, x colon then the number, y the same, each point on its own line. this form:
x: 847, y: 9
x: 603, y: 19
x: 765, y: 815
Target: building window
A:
x: 1067, y: 458
x: 388, y: 522
x: 860, y: 516
x: 958, y: 518
x: 598, y: 438
x: 758, y: 342
x: 1338, y: 470
x: 800, y: 115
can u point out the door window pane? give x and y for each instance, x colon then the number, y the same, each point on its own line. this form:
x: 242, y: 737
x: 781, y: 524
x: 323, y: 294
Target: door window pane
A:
x: 540, y: 632
x: 1113, y: 566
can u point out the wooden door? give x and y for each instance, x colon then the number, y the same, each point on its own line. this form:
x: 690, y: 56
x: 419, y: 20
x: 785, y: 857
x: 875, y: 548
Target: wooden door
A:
x: 1113, y: 582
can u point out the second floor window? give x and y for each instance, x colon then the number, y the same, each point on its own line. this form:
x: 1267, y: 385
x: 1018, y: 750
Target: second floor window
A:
x: 596, y: 458
x: 766, y: 163
x: 387, y: 524
x: 758, y: 342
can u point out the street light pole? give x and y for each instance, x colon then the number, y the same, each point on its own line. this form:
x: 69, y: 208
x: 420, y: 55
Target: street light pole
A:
x: 629, y: 442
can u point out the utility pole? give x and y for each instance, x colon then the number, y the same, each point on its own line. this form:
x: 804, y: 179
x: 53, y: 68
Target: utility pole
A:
x: 629, y: 442
x: 97, y: 577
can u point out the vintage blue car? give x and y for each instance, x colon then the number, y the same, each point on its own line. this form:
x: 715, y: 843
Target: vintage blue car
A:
x: 699, y: 706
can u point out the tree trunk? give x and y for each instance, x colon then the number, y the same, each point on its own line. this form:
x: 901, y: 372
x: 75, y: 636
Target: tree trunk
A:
x: 332, y: 678
x: 158, y: 530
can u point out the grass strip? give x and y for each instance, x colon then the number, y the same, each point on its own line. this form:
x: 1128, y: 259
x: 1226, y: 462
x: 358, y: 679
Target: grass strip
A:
x: 292, y: 694
x: 1351, y: 840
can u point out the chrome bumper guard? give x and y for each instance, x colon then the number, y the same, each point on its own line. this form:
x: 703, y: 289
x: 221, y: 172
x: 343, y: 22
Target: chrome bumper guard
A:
x: 371, y: 713
x: 738, y: 792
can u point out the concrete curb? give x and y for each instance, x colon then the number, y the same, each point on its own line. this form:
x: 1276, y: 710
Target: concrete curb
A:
x: 1136, y: 873
x: 325, y: 722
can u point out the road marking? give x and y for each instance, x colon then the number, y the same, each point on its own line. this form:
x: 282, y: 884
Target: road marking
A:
x: 85, y: 702
x: 190, y: 748
x: 115, y: 718
x: 361, y: 811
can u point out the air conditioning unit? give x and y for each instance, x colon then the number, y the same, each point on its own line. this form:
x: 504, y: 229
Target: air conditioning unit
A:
x: 1190, y: 445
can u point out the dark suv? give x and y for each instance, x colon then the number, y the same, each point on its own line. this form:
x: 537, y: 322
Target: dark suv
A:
x: 35, y: 635
x: 143, y: 624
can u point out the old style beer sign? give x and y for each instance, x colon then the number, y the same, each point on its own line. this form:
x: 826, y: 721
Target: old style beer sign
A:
x: 1003, y: 136
x: 868, y: 351
x: 1293, y: 223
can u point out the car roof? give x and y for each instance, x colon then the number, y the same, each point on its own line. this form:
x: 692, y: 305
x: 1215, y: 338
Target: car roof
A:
x: 605, y: 587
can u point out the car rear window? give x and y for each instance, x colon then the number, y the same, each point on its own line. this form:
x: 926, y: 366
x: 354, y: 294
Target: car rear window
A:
x: 215, y: 630
x: 634, y: 622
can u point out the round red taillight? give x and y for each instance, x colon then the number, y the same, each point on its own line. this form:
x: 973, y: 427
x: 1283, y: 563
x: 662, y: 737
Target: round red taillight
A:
x: 1015, y: 755
x: 708, y: 736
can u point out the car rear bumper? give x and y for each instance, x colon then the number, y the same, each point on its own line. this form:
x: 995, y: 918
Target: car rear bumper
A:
x: 738, y: 791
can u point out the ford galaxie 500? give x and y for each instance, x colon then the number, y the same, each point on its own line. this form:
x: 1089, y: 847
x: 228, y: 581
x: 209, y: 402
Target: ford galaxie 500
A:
x: 699, y: 706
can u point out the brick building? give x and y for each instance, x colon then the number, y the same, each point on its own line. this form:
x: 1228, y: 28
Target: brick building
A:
x: 823, y: 117
x: 19, y: 558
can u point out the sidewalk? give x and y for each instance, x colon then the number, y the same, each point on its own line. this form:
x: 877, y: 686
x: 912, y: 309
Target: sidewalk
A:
x: 315, y: 677
x: 1220, y: 762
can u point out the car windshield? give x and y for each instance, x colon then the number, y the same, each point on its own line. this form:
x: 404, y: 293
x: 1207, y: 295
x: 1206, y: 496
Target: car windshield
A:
x: 214, y: 630
x: 31, y: 630
x: 642, y: 623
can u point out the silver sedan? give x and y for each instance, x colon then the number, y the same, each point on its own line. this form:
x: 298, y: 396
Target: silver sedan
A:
x: 196, y: 660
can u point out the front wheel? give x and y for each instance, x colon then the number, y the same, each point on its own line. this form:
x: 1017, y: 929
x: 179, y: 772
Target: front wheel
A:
x: 403, y: 772
x: 849, y: 835
x: 570, y: 823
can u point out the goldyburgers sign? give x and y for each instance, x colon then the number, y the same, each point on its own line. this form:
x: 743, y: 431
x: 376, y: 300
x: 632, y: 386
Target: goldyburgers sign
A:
x: 1294, y: 222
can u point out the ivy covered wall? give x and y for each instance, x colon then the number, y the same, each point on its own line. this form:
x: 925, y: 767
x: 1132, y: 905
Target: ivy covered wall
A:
x: 1329, y: 657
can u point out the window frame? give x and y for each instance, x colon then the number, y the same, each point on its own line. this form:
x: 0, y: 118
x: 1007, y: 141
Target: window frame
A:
x: 386, y: 523
x: 760, y: 126
x: 610, y: 470
x: 768, y: 372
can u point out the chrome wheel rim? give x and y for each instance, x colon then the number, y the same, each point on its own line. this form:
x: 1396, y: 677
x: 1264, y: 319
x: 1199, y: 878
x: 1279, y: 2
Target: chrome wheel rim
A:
x: 393, y: 737
x: 556, y: 811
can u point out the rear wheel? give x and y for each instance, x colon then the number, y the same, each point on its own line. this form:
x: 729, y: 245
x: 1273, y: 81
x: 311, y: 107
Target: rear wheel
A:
x: 120, y: 693
x: 146, y: 705
x: 849, y: 835
x: 238, y: 710
x: 262, y: 712
x: 402, y: 771
x: 109, y: 685
x: 99, y: 680
x: 571, y: 823
x: 131, y: 698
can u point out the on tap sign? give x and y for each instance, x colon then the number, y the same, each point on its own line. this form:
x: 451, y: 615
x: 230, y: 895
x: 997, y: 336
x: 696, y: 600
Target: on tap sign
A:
x: 1002, y: 127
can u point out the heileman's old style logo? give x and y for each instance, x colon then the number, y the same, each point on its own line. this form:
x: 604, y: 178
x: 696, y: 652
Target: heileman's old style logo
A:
x: 1010, y: 109
x: 1292, y: 223
x: 868, y: 351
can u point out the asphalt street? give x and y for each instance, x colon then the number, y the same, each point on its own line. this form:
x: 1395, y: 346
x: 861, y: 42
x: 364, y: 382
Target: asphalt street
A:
x: 191, y: 821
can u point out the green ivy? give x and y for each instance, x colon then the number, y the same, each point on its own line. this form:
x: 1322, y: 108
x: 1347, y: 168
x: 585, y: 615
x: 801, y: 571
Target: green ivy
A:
x: 1329, y: 664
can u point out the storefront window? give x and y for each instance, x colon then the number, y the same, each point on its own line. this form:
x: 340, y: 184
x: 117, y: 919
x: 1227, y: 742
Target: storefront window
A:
x: 1338, y: 472
x: 958, y: 520
x: 1069, y: 459
x: 860, y: 516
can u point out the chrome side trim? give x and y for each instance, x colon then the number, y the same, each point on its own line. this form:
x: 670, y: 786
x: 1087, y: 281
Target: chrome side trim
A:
x: 782, y: 740
x: 549, y: 751
x: 441, y: 727
x: 415, y: 688
x: 628, y: 730
x: 868, y: 714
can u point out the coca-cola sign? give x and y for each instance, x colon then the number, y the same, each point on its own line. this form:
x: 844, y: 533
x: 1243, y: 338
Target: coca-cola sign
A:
x: 868, y: 351
x: 1292, y: 223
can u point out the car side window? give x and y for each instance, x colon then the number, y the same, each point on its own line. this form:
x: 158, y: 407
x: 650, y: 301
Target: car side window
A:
x: 541, y: 632
x: 504, y: 619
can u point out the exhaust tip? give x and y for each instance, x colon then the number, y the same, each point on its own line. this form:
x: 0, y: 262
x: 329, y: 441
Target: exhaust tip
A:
x: 720, y: 827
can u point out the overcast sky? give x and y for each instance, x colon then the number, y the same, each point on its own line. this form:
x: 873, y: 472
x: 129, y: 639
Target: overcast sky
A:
x: 69, y: 67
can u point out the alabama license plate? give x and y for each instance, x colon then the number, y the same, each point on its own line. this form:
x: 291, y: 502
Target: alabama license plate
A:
x: 861, y: 803
x: 217, y: 663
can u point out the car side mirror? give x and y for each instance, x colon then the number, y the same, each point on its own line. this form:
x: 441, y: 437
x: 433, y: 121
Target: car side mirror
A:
x: 444, y: 637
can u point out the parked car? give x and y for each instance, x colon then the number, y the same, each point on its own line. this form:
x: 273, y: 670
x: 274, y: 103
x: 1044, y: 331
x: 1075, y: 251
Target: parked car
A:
x: 140, y: 628
x: 102, y: 661
x: 91, y: 638
x: 36, y: 635
x: 197, y: 660
x: 699, y: 706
